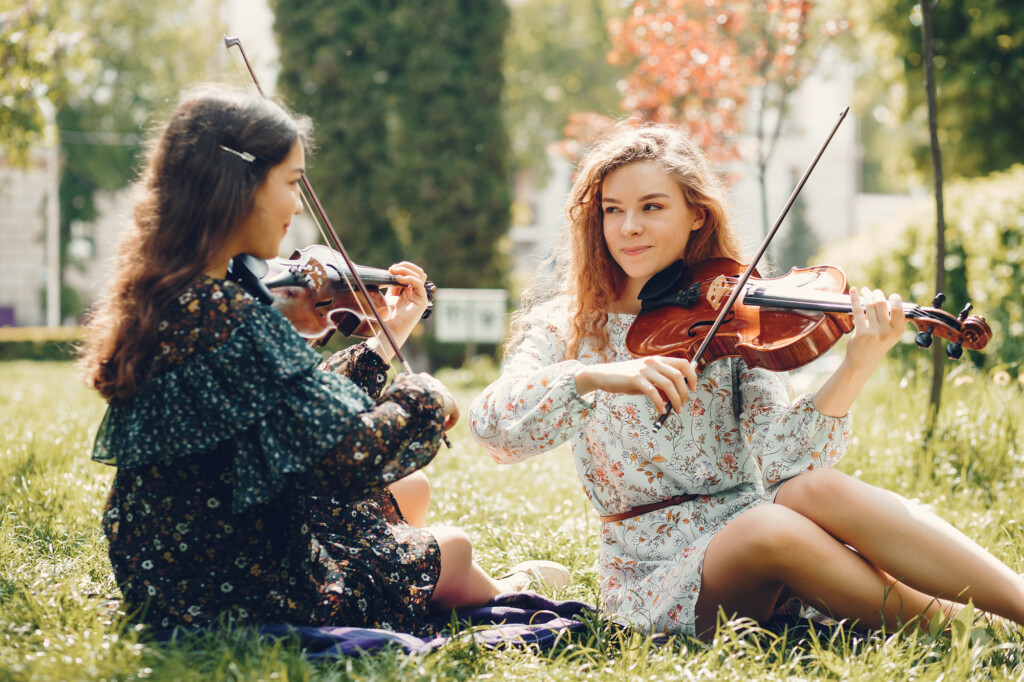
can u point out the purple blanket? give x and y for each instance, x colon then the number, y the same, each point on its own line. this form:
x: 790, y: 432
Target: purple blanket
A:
x: 514, y: 619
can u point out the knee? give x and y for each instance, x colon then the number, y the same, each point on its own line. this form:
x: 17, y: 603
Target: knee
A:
x: 415, y: 483
x: 456, y: 547
x: 775, y: 535
x: 813, y: 490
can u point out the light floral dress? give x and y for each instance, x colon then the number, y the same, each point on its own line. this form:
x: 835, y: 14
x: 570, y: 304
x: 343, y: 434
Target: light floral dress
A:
x: 737, y: 440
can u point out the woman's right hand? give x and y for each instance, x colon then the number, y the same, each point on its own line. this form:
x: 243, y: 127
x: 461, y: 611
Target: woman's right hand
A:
x: 451, y: 408
x: 666, y: 381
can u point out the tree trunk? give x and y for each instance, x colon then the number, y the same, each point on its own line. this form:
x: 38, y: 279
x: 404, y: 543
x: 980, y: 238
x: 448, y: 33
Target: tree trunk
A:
x: 927, y: 9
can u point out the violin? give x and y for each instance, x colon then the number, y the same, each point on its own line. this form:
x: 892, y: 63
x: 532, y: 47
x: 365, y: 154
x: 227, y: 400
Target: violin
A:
x: 318, y: 298
x: 777, y: 323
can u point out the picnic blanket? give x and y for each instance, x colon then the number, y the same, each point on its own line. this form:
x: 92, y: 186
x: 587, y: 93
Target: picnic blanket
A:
x: 513, y: 619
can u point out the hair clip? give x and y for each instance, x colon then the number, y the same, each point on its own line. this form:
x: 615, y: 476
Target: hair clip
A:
x: 245, y: 156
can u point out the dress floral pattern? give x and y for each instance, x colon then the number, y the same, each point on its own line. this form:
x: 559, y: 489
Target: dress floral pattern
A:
x: 738, y: 439
x: 251, y: 479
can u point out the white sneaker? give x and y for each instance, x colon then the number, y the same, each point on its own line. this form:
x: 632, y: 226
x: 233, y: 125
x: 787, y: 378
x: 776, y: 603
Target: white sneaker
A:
x: 547, y: 573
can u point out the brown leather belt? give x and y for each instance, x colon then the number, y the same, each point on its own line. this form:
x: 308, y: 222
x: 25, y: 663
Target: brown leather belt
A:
x: 644, y: 508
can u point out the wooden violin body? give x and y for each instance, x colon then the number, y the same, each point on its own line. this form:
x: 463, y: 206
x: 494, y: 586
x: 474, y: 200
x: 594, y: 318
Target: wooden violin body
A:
x: 778, y: 323
x: 310, y: 289
x: 315, y: 291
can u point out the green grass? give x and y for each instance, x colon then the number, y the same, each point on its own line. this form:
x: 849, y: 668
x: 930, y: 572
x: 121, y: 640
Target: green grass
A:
x: 56, y: 584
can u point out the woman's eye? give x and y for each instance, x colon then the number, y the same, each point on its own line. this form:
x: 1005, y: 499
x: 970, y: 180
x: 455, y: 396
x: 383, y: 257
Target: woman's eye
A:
x: 652, y: 207
x: 611, y: 209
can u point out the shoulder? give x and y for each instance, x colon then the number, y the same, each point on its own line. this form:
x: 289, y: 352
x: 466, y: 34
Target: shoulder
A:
x: 207, y: 296
x: 551, y: 316
x: 202, y: 317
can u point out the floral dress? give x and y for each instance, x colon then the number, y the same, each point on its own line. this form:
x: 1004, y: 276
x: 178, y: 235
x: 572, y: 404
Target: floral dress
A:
x: 737, y: 440
x: 251, y: 484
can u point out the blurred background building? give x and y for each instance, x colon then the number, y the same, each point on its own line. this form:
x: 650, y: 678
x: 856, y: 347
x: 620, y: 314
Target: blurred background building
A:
x: 833, y: 206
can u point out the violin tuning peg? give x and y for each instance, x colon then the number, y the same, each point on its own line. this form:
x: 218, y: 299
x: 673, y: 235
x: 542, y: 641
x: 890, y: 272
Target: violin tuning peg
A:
x: 954, y: 351
x: 963, y: 313
x: 939, y: 299
x: 923, y: 339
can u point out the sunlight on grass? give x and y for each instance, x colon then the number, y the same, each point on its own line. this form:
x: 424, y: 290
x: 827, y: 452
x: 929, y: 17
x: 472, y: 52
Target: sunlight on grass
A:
x: 56, y: 586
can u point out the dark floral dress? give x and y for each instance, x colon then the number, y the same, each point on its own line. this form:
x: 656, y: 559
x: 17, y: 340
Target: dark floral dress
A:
x: 251, y: 483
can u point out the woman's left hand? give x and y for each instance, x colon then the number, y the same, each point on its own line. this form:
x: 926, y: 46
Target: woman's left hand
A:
x: 877, y: 325
x: 406, y: 304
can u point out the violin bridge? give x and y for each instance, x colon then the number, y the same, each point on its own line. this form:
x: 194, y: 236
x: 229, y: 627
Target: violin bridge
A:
x: 718, y: 290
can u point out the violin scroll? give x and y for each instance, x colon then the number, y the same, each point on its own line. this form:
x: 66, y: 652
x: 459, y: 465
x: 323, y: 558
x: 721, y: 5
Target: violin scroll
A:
x: 962, y: 331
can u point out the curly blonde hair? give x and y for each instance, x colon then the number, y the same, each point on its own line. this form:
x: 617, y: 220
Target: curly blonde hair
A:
x: 191, y: 196
x: 584, y: 269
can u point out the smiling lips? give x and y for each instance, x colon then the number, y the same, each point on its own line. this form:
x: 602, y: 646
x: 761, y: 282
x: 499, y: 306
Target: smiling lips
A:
x: 635, y: 250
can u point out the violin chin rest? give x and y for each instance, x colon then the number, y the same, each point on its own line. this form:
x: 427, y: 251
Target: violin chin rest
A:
x: 664, y: 282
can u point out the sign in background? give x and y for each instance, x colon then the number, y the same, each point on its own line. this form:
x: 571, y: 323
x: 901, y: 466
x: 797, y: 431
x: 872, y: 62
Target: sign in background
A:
x: 470, y: 315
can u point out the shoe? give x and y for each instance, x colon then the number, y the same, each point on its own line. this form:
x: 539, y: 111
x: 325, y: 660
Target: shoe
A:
x: 547, y: 573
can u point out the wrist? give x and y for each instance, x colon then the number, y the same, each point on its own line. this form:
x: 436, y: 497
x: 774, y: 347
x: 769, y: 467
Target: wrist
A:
x: 585, y: 382
x: 377, y: 347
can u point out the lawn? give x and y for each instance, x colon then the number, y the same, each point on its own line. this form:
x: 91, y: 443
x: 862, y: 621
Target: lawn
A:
x: 56, y: 583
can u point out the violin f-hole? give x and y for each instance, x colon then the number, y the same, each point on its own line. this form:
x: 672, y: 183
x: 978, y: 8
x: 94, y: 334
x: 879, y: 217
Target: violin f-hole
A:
x: 693, y: 329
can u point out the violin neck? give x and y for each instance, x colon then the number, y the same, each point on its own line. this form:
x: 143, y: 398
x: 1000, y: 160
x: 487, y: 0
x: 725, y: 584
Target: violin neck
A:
x: 804, y: 299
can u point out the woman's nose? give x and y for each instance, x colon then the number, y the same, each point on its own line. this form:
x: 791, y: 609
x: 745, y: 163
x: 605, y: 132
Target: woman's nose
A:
x: 298, y: 201
x: 630, y: 224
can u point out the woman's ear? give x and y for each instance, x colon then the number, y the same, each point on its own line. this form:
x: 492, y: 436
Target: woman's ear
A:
x: 700, y: 215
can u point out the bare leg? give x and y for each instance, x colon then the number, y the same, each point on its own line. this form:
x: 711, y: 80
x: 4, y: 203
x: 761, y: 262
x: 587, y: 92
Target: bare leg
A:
x: 412, y: 494
x: 462, y: 581
x: 906, y: 541
x: 769, y: 548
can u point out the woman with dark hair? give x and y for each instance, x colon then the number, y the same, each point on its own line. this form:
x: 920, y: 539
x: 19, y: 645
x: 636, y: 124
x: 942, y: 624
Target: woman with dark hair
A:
x: 253, y: 480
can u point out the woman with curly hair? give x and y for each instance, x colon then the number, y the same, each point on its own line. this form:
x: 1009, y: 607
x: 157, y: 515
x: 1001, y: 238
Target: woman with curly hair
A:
x: 735, y: 504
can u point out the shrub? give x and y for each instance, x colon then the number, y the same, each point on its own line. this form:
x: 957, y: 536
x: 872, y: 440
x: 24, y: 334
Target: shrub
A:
x: 39, y: 343
x: 984, y: 257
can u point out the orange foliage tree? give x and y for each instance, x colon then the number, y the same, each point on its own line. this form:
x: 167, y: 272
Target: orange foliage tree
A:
x: 700, y: 64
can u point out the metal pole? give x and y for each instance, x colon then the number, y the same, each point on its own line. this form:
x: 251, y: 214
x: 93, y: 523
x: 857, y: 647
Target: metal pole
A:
x: 52, y: 217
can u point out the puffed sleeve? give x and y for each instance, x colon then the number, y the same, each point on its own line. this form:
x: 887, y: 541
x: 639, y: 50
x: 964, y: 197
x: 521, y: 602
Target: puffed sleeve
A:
x: 786, y: 437
x: 534, y: 405
x: 360, y: 365
x: 287, y: 424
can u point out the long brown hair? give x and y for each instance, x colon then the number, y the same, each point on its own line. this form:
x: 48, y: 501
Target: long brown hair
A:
x: 586, y: 271
x: 190, y: 198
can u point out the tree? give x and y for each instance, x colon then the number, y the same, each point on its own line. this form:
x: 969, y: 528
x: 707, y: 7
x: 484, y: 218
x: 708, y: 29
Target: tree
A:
x: 37, y: 49
x: 697, y: 64
x: 141, y: 56
x: 979, y: 75
x: 555, y: 64
x: 412, y: 161
x: 336, y: 67
x: 799, y: 244
x: 104, y: 80
x: 927, y: 11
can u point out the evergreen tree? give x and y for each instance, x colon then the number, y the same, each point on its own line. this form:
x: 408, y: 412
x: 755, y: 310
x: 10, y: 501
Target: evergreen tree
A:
x: 979, y: 75
x: 406, y: 95
x: 335, y: 66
